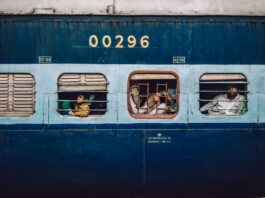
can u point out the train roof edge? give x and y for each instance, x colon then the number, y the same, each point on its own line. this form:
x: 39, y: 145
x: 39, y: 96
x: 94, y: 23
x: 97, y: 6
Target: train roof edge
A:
x: 137, y: 7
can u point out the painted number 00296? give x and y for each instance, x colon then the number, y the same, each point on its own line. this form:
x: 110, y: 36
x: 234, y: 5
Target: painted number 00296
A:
x: 119, y: 41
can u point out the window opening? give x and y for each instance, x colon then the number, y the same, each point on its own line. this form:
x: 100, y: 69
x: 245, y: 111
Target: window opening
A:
x: 223, y: 94
x: 153, y: 95
x: 82, y: 95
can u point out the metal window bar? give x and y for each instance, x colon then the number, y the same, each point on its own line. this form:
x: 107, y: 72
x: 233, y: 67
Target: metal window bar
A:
x: 103, y: 110
x: 140, y: 96
x: 85, y: 101
x: 223, y: 82
x: 205, y: 100
x: 83, y: 91
x: 165, y: 85
x: 225, y: 109
x: 220, y: 91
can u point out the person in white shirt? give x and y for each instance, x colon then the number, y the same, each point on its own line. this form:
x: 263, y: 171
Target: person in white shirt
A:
x: 230, y: 103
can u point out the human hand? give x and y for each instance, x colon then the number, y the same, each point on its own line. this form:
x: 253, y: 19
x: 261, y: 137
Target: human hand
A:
x: 157, y: 97
x: 171, y: 110
x: 71, y: 113
x: 169, y: 98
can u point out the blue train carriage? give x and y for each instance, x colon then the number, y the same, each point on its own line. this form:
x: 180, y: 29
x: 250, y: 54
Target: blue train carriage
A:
x: 154, y: 81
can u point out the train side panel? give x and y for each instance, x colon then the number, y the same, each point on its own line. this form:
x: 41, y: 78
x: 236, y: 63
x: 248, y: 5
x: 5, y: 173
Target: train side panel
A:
x: 186, y: 155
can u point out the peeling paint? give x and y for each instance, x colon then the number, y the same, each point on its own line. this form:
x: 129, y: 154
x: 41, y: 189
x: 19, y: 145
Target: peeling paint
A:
x: 111, y: 8
x: 136, y: 7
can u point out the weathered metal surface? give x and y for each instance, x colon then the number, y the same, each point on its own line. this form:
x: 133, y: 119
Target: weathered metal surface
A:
x: 138, y: 7
x: 189, y: 154
x: 200, y: 40
x: 202, y: 162
x: 61, y: 161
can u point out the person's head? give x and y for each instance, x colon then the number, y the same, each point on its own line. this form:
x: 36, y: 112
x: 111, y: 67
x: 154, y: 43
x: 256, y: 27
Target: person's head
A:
x: 80, y: 98
x: 134, y: 90
x: 232, y: 91
x: 134, y: 93
x: 168, y: 97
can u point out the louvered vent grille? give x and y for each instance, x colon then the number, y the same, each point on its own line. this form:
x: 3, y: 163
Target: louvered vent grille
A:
x: 17, y: 95
x: 79, y: 82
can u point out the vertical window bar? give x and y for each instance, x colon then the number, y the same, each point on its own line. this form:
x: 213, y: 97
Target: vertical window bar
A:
x: 141, y: 95
x: 11, y: 92
x: 163, y: 85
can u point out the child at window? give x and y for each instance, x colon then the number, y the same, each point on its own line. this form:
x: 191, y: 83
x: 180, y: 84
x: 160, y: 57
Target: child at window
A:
x: 81, y: 108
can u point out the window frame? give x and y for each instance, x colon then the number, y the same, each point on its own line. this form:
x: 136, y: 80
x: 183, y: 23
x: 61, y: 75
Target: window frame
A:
x: 223, y: 116
x: 82, y: 73
x: 33, y: 96
x: 146, y: 116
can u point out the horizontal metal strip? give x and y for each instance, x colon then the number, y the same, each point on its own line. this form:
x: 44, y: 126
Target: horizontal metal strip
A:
x: 103, y: 110
x: 221, y: 91
x: 184, y: 127
x: 81, y: 84
x: 83, y: 91
x: 223, y: 100
x: 84, y: 101
x: 223, y: 82
x: 221, y: 110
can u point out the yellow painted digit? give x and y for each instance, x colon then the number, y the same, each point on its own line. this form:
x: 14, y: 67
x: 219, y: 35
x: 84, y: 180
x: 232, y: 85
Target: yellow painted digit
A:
x: 131, y: 41
x: 145, y: 41
x: 108, y: 43
x: 93, y: 41
x: 119, y: 44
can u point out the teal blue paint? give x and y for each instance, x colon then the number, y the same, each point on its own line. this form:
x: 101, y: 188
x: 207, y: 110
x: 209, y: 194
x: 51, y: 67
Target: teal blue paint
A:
x: 219, y: 155
x: 202, y: 40
x: 218, y: 162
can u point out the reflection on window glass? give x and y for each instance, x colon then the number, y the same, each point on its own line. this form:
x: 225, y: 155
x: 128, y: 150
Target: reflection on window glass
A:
x: 223, y: 94
x: 82, y: 95
x: 17, y: 95
x: 152, y: 95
